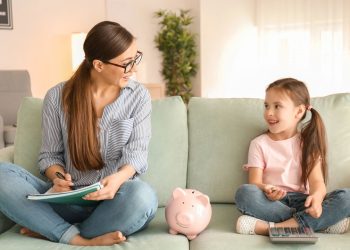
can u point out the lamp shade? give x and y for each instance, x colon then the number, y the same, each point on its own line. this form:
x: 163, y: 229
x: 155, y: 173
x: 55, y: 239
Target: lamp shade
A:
x: 77, y: 49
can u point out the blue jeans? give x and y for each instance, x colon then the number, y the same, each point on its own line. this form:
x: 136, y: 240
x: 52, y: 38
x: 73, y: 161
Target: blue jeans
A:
x: 133, y: 207
x: 252, y: 201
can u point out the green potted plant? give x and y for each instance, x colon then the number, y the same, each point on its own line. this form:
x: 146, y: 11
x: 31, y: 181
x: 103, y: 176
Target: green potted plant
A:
x: 178, y: 48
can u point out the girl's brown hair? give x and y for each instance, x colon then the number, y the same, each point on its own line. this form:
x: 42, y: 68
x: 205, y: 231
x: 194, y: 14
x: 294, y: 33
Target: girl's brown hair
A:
x: 106, y: 40
x: 313, y: 133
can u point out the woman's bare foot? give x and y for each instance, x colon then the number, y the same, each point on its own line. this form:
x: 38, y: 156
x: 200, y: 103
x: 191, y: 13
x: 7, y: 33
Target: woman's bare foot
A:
x: 107, y: 239
x: 27, y: 232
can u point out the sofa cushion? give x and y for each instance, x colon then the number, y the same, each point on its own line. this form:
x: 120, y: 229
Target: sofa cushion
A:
x: 167, y: 152
x: 335, y: 112
x: 155, y: 237
x: 168, y: 147
x: 221, y: 234
x: 28, y: 137
x: 219, y: 134
x: 220, y: 131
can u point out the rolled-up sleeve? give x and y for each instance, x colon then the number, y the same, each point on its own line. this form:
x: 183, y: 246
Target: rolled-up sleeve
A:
x: 52, y: 148
x: 255, y: 156
x: 135, y: 152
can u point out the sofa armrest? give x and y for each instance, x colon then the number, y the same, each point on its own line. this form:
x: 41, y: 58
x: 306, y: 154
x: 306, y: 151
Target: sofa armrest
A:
x: 6, y: 154
x: 2, y: 141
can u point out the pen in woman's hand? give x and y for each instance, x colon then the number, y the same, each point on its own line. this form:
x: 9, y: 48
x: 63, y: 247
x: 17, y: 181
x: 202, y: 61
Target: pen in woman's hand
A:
x: 60, y: 175
x: 65, y: 177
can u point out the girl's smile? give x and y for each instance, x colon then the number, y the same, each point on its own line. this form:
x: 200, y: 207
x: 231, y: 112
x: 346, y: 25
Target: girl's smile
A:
x: 281, y: 115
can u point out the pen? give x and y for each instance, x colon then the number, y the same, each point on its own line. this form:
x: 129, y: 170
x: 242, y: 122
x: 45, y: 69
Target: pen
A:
x: 60, y: 175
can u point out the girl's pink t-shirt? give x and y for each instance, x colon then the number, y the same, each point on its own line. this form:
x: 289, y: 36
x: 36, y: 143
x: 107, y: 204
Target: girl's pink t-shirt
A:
x: 280, y: 161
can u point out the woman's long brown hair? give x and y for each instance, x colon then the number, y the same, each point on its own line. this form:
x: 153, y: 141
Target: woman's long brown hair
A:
x: 106, y: 40
x: 313, y: 133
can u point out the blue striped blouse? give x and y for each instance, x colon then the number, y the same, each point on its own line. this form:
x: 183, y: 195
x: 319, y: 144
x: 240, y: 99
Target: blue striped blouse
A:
x: 125, y: 132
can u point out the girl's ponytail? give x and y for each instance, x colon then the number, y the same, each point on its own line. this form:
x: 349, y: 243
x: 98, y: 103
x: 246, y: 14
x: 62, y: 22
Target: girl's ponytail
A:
x: 314, y: 146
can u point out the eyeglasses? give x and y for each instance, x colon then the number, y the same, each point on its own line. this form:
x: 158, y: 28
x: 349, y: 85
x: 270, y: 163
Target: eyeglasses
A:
x: 128, y: 67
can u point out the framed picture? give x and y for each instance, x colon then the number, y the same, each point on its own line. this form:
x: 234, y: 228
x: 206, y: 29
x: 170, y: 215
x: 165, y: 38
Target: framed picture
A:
x: 5, y: 14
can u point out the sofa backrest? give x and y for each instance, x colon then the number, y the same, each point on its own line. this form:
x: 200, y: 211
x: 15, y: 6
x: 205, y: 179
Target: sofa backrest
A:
x: 168, y: 147
x: 168, y: 150
x: 219, y: 134
x: 220, y: 131
x: 335, y: 112
x: 28, y: 135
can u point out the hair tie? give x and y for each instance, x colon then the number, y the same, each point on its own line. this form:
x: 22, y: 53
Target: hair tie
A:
x: 88, y: 61
x: 309, y: 107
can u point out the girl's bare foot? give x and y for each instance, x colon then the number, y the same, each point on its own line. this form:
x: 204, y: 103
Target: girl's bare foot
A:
x: 261, y: 228
x: 27, y: 232
x: 107, y: 239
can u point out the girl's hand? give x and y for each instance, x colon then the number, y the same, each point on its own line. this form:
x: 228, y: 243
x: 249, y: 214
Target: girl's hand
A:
x: 314, y: 206
x: 60, y: 185
x: 274, y: 193
x: 111, y: 185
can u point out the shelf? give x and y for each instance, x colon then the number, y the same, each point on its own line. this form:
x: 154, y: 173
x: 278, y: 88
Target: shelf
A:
x: 156, y: 90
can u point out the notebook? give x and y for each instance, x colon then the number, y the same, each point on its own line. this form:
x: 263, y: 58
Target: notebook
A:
x: 74, y: 197
x: 292, y: 235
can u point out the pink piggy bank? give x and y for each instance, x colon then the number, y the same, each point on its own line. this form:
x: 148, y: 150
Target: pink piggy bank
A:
x: 188, y: 212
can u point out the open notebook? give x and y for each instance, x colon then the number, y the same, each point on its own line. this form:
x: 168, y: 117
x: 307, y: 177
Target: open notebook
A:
x: 74, y: 197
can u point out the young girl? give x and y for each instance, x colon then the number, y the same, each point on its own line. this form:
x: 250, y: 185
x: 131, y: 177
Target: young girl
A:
x: 287, y: 169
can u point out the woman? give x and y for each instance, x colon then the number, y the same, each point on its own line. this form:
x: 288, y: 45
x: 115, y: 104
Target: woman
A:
x: 95, y: 127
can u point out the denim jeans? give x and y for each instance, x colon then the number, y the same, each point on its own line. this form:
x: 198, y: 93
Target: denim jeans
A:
x: 251, y: 200
x: 133, y: 207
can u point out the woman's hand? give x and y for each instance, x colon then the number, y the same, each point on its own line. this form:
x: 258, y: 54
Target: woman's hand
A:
x: 111, y: 185
x: 314, y: 205
x: 274, y: 193
x: 62, y: 185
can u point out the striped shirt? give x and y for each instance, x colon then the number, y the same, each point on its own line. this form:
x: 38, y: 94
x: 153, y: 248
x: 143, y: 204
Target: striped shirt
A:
x: 124, y: 134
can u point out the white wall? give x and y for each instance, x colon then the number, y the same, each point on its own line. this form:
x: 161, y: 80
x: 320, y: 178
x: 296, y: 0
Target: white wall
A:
x: 230, y: 61
x: 138, y: 17
x: 228, y: 38
x: 40, y: 39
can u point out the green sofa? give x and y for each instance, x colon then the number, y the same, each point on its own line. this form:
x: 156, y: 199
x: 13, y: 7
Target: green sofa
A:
x: 203, y: 147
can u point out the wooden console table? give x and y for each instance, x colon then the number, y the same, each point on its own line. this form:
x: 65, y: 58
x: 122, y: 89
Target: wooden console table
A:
x: 156, y: 90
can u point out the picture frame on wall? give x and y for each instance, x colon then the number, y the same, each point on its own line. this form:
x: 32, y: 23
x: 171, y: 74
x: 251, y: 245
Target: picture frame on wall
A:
x: 5, y: 14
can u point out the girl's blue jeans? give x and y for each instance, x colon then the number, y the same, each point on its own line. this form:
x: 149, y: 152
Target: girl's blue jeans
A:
x: 132, y: 208
x: 251, y: 200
